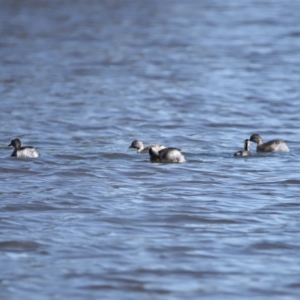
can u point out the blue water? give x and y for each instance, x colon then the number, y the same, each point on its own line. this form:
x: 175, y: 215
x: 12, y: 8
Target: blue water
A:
x: 92, y: 219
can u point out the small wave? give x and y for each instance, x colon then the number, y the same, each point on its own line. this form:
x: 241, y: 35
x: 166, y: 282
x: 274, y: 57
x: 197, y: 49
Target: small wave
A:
x: 265, y: 245
x: 18, y: 246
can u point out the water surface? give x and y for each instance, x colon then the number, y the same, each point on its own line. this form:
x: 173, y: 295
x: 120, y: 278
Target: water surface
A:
x: 90, y: 219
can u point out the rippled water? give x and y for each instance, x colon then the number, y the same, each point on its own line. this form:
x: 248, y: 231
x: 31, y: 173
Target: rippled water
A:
x: 90, y: 219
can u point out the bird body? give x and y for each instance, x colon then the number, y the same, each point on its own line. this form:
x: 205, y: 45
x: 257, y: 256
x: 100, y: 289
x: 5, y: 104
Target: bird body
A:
x: 245, y: 151
x: 141, y: 149
x: 166, y: 155
x: 271, y: 146
x: 24, y: 152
